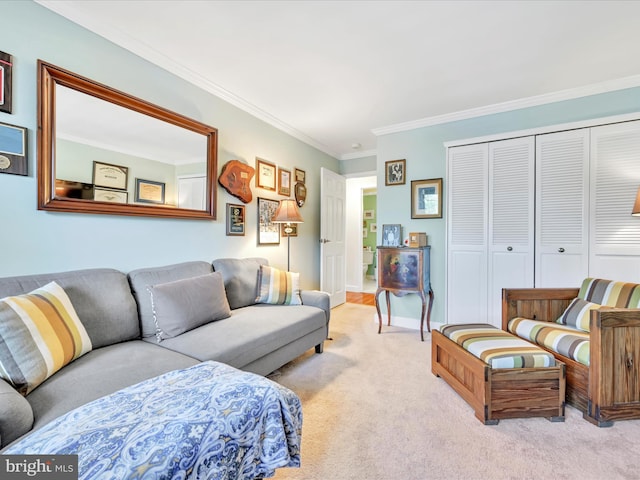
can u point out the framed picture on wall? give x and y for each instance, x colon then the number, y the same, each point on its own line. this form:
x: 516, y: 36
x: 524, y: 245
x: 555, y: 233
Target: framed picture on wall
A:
x: 395, y: 172
x: 268, y: 232
x: 110, y: 176
x: 6, y: 68
x: 265, y: 174
x: 13, y: 149
x: 235, y: 219
x: 149, y: 191
x: 284, y: 182
x: 426, y: 198
x: 109, y: 195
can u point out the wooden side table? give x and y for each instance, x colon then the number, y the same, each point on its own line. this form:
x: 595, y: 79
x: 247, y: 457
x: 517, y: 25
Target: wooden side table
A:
x: 401, y: 271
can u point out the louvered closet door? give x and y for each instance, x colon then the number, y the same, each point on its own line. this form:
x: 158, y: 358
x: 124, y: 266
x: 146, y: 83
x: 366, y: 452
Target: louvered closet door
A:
x: 467, y: 234
x: 562, y: 199
x: 511, y: 219
x: 614, y: 251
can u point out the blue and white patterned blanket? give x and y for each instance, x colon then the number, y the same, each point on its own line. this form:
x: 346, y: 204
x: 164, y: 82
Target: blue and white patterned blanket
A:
x: 209, y: 421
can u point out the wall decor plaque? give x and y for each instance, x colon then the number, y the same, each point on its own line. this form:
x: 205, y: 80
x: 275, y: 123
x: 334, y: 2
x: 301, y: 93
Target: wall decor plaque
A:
x: 6, y: 68
x: 13, y: 149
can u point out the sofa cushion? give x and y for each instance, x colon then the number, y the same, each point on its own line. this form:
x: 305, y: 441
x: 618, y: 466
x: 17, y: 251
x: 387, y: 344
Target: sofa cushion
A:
x: 577, y: 314
x: 278, y: 287
x: 240, y: 279
x: 610, y: 293
x: 101, y: 297
x: 497, y: 348
x: 142, y: 278
x: 566, y: 341
x: 185, y: 304
x: 40, y: 333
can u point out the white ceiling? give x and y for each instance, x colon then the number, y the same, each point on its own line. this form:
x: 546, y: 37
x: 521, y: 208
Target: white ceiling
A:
x: 336, y: 73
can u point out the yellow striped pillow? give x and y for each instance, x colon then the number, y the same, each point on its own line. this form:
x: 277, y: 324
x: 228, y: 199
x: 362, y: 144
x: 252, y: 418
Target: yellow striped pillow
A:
x: 40, y: 333
x: 278, y: 287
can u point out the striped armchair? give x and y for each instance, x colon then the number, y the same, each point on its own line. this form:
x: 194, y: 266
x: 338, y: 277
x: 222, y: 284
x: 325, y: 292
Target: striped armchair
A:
x: 595, y: 331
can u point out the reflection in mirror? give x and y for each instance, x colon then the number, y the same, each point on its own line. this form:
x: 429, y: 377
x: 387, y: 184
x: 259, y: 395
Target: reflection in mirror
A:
x: 103, y: 151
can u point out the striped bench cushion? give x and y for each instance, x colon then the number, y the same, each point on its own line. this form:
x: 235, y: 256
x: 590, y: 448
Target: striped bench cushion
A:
x: 497, y: 348
x: 566, y: 341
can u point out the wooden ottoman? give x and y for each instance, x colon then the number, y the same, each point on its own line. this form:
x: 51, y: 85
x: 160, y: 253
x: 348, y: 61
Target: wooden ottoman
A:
x: 498, y: 374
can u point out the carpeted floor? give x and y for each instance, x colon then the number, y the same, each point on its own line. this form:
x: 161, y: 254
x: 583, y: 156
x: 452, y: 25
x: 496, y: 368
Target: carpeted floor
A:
x: 373, y: 410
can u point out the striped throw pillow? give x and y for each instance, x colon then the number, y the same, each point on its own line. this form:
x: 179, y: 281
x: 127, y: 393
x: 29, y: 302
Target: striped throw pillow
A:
x: 278, y: 287
x: 40, y: 333
x: 577, y: 314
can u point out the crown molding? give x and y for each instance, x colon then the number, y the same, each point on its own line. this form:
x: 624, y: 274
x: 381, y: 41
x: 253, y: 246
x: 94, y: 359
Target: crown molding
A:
x: 67, y: 9
x: 569, y: 94
x: 362, y: 154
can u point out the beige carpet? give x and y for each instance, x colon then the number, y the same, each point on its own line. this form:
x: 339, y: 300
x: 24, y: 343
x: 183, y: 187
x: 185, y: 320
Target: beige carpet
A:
x: 373, y: 410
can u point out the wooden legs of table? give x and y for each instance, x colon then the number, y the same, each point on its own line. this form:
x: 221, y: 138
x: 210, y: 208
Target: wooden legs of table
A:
x: 428, y: 312
x: 378, y: 308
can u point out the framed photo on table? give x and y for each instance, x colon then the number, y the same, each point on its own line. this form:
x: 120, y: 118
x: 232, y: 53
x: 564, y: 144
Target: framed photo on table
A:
x: 265, y: 174
x: 268, y: 232
x: 235, y: 219
x: 149, y: 191
x: 391, y: 235
x: 110, y: 176
x: 426, y: 198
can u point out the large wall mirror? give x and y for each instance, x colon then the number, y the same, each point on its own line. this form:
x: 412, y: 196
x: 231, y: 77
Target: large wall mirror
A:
x: 104, y: 151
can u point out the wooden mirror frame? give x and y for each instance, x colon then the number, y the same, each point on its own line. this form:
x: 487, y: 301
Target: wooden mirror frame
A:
x: 48, y: 77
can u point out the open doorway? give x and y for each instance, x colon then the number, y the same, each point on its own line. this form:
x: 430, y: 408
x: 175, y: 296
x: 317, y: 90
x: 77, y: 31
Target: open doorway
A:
x: 361, y: 234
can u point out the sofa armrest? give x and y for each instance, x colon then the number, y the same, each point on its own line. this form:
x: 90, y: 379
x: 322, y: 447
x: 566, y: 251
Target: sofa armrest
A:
x: 317, y: 298
x: 543, y: 304
x: 16, y: 415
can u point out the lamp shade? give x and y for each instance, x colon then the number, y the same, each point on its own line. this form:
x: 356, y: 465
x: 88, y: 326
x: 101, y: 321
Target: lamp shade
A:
x: 287, y: 212
x: 636, y: 206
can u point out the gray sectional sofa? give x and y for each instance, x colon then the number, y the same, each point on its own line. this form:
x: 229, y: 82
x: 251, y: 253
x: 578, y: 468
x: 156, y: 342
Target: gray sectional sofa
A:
x: 117, y: 312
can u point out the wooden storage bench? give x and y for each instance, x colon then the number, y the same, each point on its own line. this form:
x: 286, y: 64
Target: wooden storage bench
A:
x: 498, y: 374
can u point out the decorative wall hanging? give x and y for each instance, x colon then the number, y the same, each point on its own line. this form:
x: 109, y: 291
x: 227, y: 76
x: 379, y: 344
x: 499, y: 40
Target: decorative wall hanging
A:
x: 109, y: 195
x: 110, y: 176
x: 268, y: 232
x: 235, y: 178
x: 235, y: 219
x: 426, y: 198
x: 284, y: 182
x: 6, y: 67
x: 300, y: 193
x: 148, y: 191
x: 266, y: 174
x: 299, y: 175
x: 395, y: 172
x: 13, y: 149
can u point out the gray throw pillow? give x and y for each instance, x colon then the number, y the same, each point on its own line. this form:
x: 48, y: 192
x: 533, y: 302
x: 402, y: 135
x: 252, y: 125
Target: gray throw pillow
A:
x: 240, y: 279
x: 185, y: 304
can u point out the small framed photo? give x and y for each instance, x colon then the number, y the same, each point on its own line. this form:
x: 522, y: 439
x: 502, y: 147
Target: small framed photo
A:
x: 235, y: 219
x: 13, y: 149
x: 293, y: 227
x: 268, y: 232
x: 149, y: 191
x: 369, y: 214
x: 391, y: 235
x: 300, y: 175
x: 284, y: 182
x: 395, y: 172
x: 426, y: 198
x: 110, y: 195
x: 6, y: 67
x: 110, y: 176
x: 265, y: 174
x: 373, y: 227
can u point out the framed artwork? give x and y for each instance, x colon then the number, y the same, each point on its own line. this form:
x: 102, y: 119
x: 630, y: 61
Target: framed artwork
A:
x: 284, y: 182
x: 110, y: 176
x: 369, y: 214
x: 235, y: 219
x: 395, y: 172
x: 265, y: 174
x: 13, y: 149
x: 391, y: 235
x: 300, y: 175
x: 365, y: 232
x: 426, y: 198
x: 149, y: 191
x: 6, y: 67
x: 268, y: 232
x: 300, y: 192
x: 293, y: 227
x: 109, y: 195
x: 373, y: 227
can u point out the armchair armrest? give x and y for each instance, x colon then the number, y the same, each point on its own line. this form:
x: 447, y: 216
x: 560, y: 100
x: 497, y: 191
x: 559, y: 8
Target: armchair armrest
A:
x: 16, y: 415
x: 544, y: 304
x: 317, y: 298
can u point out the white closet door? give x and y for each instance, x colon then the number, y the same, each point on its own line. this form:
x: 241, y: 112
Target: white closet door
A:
x: 511, y: 219
x: 614, y: 251
x: 467, y: 234
x: 192, y: 192
x: 562, y: 200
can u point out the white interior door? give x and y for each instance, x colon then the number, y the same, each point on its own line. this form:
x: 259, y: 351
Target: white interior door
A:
x: 192, y: 192
x: 333, y: 193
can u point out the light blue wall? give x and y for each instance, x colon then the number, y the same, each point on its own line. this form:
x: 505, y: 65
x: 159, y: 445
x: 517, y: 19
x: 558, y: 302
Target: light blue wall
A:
x: 426, y: 158
x: 36, y: 241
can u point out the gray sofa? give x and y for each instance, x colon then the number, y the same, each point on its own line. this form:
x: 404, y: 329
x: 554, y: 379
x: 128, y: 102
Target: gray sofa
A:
x: 117, y: 312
